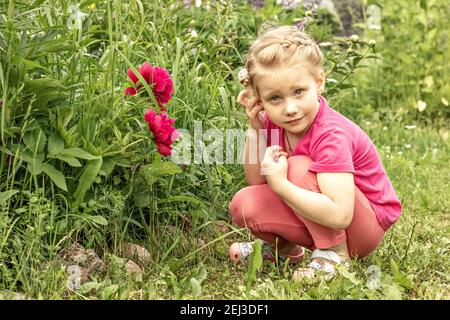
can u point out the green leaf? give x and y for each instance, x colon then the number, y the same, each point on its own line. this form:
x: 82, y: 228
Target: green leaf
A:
x: 109, y: 291
x: 4, y: 150
x: 107, y: 167
x: 399, y: 277
x: 87, y: 178
x: 18, y: 60
x: 254, y: 265
x: 70, y: 160
x: 55, y: 144
x: 78, y: 153
x: 142, y: 199
x: 346, y: 274
x: 184, y: 198
x: 196, y: 288
x: 89, y: 286
x: 152, y: 171
x: 201, y: 273
x: 42, y: 91
x: 35, y: 140
x: 96, y: 219
x: 56, y: 175
x: 225, y: 100
x: 392, y: 292
x: 35, y: 167
x: 7, y: 194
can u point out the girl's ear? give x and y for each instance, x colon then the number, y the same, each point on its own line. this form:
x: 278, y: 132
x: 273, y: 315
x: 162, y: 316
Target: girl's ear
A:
x: 320, y: 82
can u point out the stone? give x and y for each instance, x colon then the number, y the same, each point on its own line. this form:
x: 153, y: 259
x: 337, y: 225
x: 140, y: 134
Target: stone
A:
x: 80, y: 264
x: 131, y: 267
x: 136, y: 253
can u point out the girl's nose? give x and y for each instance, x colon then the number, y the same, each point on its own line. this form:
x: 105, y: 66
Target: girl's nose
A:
x: 291, y: 108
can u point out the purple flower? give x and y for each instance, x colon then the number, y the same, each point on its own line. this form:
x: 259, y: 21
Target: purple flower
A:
x: 289, y: 4
x: 312, y: 5
x: 299, y: 24
x: 257, y: 4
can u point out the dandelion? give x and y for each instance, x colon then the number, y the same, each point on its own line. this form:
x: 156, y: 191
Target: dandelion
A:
x: 421, y: 105
x: 408, y: 146
x: 410, y: 127
x: 158, y: 78
x: 164, y: 133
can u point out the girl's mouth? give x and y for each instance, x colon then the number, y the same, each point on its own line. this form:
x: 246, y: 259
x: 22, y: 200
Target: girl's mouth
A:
x: 295, y: 121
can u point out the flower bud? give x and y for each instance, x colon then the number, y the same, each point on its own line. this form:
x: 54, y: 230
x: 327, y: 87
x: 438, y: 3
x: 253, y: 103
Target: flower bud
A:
x: 354, y: 38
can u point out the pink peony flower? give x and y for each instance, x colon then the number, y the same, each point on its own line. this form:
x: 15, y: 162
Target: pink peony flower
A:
x: 163, y: 131
x: 158, y: 78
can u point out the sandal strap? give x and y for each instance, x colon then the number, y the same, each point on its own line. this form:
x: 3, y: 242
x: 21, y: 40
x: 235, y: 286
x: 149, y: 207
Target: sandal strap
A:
x: 246, y: 249
x: 326, y: 254
x: 321, y: 264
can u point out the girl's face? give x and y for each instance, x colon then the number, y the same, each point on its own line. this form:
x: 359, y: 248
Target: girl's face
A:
x: 289, y: 95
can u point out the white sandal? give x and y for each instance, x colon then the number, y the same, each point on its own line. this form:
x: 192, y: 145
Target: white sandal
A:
x: 321, y: 261
x: 241, y: 250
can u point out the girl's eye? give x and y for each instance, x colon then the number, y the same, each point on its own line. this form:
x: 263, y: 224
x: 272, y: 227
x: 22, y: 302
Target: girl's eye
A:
x: 299, y: 91
x: 275, y: 98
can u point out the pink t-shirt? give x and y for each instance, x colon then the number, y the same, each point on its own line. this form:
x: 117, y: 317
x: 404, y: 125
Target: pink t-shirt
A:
x: 336, y: 144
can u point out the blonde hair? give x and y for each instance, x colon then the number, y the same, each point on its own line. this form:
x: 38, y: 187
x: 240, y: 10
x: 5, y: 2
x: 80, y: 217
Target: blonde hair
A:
x: 281, y: 45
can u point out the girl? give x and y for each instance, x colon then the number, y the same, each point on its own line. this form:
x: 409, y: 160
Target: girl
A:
x: 320, y: 183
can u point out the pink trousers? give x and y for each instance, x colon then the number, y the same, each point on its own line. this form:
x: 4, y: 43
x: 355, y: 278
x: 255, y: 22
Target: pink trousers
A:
x: 262, y: 211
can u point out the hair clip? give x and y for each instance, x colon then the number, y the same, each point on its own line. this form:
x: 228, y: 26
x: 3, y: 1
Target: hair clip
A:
x: 243, y: 76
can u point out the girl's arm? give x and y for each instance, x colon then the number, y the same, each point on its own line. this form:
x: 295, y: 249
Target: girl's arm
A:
x: 332, y: 208
x: 253, y: 151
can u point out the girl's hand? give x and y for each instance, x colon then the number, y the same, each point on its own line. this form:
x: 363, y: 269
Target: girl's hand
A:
x: 252, y: 107
x: 274, y: 166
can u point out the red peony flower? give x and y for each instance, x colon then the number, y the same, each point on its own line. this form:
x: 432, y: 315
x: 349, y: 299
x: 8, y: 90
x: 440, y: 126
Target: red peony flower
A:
x: 163, y: 131
x: 158, y: 78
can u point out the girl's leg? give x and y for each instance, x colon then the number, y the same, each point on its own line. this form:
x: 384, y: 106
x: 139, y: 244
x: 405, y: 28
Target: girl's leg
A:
x: 364, y: 233
x: 260, y: 210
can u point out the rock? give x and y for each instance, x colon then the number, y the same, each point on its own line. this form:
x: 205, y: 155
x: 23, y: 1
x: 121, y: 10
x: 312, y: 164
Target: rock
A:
x: 131, y: 267
x: 80, y: 264
x: 136, y: 253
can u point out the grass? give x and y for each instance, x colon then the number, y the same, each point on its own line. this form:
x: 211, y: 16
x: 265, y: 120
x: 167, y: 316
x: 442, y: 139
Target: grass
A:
x: 413, y: 257
x: 61, y: 85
